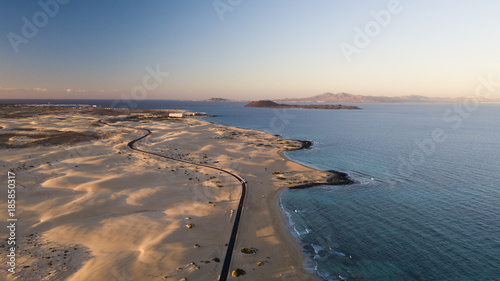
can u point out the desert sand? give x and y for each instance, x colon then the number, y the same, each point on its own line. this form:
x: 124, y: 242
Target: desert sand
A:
x: 89, y: 208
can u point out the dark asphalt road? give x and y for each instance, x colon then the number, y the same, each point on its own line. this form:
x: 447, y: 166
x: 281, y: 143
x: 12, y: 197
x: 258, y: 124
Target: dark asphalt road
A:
x: 234, y: 233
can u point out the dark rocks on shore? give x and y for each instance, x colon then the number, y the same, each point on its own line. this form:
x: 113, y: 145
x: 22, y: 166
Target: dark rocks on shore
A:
x: 335, y: 178
x: 339, y: 178
x: 306, y: 144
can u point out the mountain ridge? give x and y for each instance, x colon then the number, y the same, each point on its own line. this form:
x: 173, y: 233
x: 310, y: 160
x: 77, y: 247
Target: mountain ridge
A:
x: 343, y: 97
x: 350, y: 98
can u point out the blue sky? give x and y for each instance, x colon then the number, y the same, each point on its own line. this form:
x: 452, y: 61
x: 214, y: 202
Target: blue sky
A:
x: 256, y: 49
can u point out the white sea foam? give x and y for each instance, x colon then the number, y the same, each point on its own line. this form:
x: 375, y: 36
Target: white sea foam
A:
x: 317, y: 248
x: 299, y: 233
x: 339, y: 254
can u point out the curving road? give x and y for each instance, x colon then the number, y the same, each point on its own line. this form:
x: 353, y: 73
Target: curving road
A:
x: 234, y: 232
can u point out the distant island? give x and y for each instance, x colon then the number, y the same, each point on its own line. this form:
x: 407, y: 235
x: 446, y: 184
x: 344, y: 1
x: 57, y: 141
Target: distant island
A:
x: 224, y: 100
x: 271, y: 104
x: 218, y: 99
x: 350, y: 98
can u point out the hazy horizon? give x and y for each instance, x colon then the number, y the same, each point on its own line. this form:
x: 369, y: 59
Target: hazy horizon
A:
x: 245, y: 50
x: 493, y: 99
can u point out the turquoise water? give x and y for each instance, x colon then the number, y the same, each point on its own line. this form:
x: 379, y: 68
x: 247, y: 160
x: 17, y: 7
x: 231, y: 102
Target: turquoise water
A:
x: 435, y: 215
x: 424, y: 208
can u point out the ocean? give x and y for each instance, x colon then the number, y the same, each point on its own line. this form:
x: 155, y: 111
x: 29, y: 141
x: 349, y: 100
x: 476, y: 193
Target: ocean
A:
x: 426, y: 205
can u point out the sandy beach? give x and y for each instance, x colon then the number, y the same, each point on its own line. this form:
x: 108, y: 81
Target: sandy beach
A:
x: 89, y: 208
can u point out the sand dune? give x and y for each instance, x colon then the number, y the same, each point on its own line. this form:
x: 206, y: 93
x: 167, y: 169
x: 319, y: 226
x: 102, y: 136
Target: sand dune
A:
x: 96, y: 210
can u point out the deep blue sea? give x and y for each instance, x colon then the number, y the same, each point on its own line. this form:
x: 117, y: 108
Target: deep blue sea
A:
x: 427, y: 202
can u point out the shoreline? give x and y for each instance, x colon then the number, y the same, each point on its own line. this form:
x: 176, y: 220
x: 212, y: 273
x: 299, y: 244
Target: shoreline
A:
x: 307, y: 264
x: 279, y: 214
x: 158, y: 196
x: 285, y: 224
x: 334, y: 178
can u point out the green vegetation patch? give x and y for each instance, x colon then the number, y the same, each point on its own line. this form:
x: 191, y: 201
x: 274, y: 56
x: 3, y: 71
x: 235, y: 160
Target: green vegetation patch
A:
x: 248, y: 251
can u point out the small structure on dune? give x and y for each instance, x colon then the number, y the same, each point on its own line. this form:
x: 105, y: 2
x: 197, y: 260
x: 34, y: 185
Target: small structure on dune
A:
x: 176, y: 114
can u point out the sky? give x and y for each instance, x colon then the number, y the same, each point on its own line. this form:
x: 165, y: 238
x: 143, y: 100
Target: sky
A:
x: 242, y: 49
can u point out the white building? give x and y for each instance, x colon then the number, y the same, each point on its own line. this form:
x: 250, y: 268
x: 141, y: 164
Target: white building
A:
x: 176, y: 114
